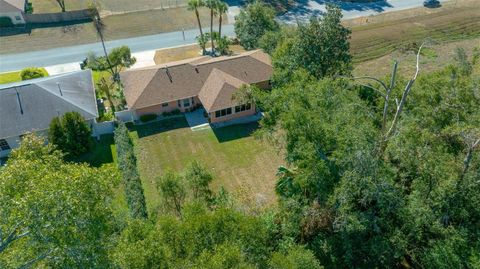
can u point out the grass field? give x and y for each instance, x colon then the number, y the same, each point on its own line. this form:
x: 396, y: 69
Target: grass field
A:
x: 185, y: 52
x: 237, y: 160
x: 14, y: 76
x: 47, y: 6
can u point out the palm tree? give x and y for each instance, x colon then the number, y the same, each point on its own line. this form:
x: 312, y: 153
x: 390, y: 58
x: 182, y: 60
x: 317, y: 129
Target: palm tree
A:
x: 194, y: 5
x: 100, y: 27
x: 222, y: 7
x: 107, y: 89
x: 212, y: 5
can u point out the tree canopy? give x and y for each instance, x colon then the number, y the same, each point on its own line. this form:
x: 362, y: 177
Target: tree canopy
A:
x: 53, y: 213
x: 253, y: 22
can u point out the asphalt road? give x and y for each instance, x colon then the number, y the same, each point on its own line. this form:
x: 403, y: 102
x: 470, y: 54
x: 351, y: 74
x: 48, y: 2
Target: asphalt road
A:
x: 12, y: 62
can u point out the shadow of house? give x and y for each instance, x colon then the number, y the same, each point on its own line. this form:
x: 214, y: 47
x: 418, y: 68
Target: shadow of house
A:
x: 234, y: 132
x: 157, y: 127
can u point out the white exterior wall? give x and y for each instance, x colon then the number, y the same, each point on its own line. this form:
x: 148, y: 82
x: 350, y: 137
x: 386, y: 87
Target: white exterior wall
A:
x: 13, y: 16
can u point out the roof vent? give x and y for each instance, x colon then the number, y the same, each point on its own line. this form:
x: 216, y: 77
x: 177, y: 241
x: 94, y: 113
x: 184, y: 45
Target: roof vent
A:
x: 168, y: 74
x: 19, y: 101
x: 59, y: 88
x: 196, y: 69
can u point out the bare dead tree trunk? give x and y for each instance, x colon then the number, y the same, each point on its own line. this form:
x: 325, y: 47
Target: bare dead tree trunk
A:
x: 387, y: 96
x: 400, y: 105
x: 387, y: 134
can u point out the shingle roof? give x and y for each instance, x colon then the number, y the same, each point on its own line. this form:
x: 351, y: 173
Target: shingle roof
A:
x: 30, y: 105
x: 217, y: 91
x: 12, y: 5
x: 158, y: 84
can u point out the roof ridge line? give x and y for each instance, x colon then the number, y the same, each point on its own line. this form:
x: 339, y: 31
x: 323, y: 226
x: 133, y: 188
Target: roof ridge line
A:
x: 60, y: 97
x: 144, y: 89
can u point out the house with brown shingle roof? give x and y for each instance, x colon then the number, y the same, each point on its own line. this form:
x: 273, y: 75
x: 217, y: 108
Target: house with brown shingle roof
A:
x: 202, y: 82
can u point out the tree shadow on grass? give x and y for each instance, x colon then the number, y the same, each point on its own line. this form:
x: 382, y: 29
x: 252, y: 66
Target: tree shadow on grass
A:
x: 102, y: 152
x: 233, y: 132
x: 157, y: 127
x: 70, y: 26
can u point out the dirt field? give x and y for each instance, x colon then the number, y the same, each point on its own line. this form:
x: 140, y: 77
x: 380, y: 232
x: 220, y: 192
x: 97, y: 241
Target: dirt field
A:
x: 47, y: 6
x: 435, y: 57
x: 374, y: 37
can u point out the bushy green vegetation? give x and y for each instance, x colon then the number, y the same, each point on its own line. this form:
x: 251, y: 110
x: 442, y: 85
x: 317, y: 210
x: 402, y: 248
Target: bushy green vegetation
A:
x: 127, y: 163
x: 53, y: 214
x: 71, y: 134
x: 10, y: 77
x: 148, y: 117
x: 32, y: 72
x: 253, y: 22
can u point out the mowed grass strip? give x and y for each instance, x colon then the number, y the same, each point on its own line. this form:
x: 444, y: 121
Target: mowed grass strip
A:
x: 10, y: 77
x: 235, y: 158
x: 378, y: 39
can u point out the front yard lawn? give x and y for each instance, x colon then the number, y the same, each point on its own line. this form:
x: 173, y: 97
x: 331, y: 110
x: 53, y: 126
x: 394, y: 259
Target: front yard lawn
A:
x: 239, y: 162
x: 13, y: 76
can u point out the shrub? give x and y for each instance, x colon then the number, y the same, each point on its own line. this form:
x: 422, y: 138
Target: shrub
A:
x: 6, y: 22
x: 148, y: 117
x: 70, y: 133
x: 172, y: 113
x: 31, y: 73
x: 127, y: 163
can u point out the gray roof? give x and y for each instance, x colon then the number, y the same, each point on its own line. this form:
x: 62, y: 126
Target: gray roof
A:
x: 12, y: 5
x: 30, y: 105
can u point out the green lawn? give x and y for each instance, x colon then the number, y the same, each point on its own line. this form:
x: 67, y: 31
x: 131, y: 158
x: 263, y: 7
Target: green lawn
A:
x: 238, y: 161
x: 13, y: 76
x: 102, y: 152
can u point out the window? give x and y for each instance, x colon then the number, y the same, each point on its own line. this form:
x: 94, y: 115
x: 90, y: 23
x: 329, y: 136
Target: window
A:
x: 242, y: 108
x: 179, y: 103
x: 186, y: 102
x: 164, y: 104
x: 17, y: 18
x: 223, y: 112
x: 193, y: 101
x: 4, y: 145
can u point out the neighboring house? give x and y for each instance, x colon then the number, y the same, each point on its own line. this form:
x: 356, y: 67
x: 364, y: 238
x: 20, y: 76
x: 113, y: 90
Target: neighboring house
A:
x: 30, y: 106
x: 12, y: 10
x: 203, y: 81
